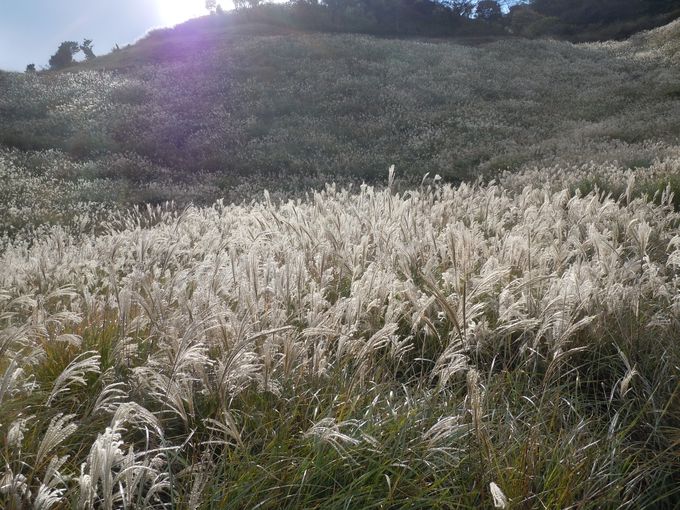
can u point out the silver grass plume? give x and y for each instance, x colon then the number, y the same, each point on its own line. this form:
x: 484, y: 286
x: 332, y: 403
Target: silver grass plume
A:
x: 59, y: 429
x: 74, y: 373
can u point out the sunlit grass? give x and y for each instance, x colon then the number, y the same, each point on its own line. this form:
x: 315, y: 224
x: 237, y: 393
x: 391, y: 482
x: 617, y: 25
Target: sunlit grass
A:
x: 428, y: 348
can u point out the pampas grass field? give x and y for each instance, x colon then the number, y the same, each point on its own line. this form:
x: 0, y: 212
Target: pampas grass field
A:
x: 443, y: 347
x: 505, y: 342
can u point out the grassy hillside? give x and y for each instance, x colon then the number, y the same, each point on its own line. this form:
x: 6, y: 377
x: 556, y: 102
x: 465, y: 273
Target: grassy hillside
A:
x: 226, y: 112
x: 406, y: 343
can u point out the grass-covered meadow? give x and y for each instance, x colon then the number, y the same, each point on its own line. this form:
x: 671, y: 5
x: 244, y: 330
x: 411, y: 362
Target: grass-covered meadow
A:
x: 500, y: 333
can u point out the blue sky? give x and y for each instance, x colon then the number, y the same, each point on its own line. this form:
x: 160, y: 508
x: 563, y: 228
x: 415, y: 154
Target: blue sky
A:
x: 31, y: 30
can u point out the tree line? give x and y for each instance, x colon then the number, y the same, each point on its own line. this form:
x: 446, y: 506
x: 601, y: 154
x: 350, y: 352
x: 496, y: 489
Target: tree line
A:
x: 577, y: 20
x: 381, y: 17
x: 588, y: 20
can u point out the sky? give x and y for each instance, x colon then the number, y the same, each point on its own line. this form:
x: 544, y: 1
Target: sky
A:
x: 31, y: 30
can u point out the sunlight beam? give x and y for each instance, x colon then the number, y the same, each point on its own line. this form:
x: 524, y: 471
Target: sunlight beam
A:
x: 172, y: 12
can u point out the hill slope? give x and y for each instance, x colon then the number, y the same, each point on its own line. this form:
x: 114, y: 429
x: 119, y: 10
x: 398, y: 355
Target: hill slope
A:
x: 208, y: 107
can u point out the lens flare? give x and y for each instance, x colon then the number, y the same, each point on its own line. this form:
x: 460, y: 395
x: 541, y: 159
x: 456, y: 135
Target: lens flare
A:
x: 173, y: 12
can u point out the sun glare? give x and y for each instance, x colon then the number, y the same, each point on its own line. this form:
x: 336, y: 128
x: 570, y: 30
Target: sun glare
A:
x: 173, y: 12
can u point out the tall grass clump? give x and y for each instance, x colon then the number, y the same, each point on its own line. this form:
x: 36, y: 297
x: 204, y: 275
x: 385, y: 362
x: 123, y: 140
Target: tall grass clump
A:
x: 434, y: 347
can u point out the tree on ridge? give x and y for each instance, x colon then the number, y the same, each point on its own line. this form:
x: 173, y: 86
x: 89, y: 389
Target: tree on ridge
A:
x: 64, y: 55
